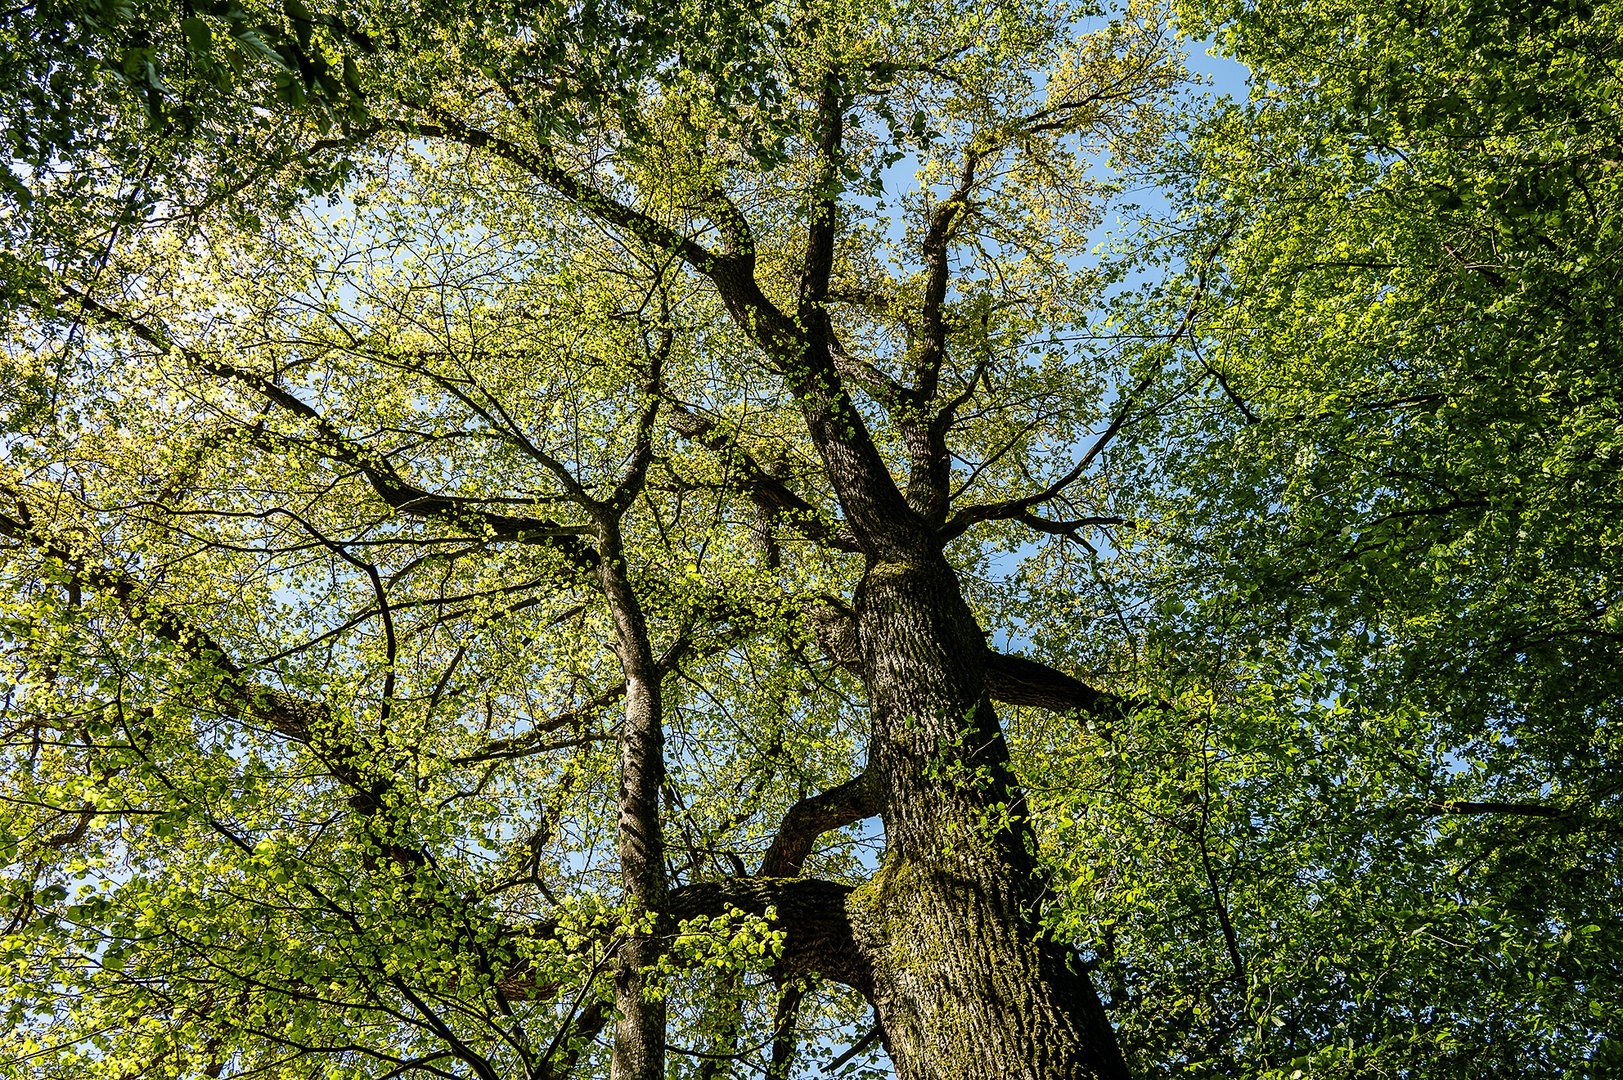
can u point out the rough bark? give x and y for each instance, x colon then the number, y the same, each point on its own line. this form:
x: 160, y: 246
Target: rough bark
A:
x: 965, y: 983
x: 1010, y: 679
x: 639, y: 1029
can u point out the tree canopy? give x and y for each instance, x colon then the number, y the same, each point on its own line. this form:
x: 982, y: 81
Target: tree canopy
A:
x: 646, y: 541
x: 1412, y: 403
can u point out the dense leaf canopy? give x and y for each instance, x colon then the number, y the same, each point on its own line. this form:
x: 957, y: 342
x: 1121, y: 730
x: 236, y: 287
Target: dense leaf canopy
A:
x: 1391, y: 534
x: 408, y: 462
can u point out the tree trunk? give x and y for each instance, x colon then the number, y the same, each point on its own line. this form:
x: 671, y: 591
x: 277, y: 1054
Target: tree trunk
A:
x: 639, y: 1027
x: 946, y: 938
x: 965, y: 983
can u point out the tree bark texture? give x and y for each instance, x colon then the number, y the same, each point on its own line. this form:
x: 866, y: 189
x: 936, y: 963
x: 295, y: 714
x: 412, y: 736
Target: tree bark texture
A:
x: 639, y: 1030
x: 966, y: 985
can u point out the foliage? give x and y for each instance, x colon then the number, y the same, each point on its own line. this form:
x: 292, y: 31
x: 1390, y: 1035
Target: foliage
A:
x: 120, y: 111
x: 314, y: 735
x: 1382, y: 555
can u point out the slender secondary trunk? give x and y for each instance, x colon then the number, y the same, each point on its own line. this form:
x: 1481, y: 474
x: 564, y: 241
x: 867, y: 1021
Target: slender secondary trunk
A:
x: 639, y: 1031
x: 965, y: 983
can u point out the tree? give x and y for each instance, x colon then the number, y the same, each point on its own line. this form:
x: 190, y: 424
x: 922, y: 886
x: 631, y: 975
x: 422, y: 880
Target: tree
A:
x: 449, y: 621
x: 318, y: 529
x: 121, y: 111
x: 1377, y: 547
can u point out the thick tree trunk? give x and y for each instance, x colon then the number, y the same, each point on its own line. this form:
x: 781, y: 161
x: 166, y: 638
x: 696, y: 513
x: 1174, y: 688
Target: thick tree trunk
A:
x: 946, y: 938
x: 965, y: 983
